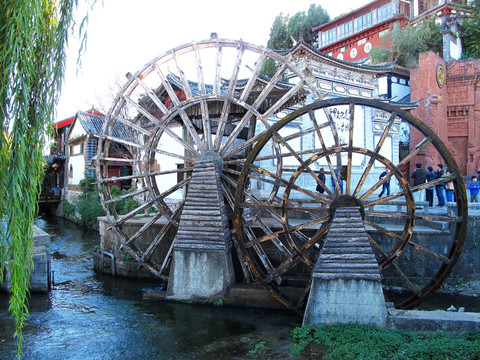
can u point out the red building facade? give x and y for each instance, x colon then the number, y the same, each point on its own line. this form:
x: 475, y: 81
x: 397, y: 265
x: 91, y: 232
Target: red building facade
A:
x: 450, y: 107
x: 352, y: 36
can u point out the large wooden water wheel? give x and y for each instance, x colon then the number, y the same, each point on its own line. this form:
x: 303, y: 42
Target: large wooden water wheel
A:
x: 198, y: 98
x: 281, y: 227
x: 209, y: 97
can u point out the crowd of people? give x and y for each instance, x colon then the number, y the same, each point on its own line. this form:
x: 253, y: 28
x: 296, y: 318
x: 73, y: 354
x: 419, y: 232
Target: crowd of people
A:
x: 443, y: 190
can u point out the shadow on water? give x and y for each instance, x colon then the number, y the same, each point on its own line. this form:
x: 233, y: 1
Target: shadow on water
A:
x: 93, y: 316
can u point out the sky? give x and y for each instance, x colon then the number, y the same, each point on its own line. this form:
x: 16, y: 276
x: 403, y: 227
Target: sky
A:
x: 123, y: 35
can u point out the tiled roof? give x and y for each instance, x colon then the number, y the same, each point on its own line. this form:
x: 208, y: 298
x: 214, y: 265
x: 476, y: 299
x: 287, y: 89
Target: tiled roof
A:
x: 380, y: 68
x: 93, y: 126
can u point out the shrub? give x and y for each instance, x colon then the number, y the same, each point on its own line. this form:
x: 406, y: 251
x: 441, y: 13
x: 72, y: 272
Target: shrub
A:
x: 68, y: 209
x: 354, y: 341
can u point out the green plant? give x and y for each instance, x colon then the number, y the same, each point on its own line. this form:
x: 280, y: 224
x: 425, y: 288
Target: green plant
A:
x: 124, y: 206
x: 33, y: 38
x: 259, y: 348
x: 355, y: 341
x: 68, y: 208
x: 406, y: 43
x: 88, y: 204
x: 215, y: 301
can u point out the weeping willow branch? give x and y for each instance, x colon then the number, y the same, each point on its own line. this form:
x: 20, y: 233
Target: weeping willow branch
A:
x: 33, y: 38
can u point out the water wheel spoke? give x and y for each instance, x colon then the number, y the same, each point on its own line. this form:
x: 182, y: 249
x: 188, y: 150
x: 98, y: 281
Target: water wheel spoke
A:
x: 189, y: 127
x: 121, y: 220
x: 276, y: 234
x: 295, y: 258
x: 303, y: 299
x: 404, y: 278
x: 183, y: 78
x: 173, y: 222
x: 106, y: 159
x: 433, y: 254
x: 232, y: 84
x: 133, y: 125
x: 378, y: 147
x: 384, y: 231
x: 144, y: 227
x: 203, y: 105
x: 126, y: 196
x: 376, y: 186
x: 153, y: 97
x: 161, y: 125
x: 253, y: 78
x: 379, y: 214
x: 350, y: 147
x: 419, y: 147
x: 278, y: 105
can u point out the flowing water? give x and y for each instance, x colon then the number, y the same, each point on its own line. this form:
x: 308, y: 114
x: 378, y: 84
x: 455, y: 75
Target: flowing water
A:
x: 91, y: 316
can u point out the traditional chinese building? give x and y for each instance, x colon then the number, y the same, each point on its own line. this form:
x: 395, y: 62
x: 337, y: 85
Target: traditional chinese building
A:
x: 352, y: 36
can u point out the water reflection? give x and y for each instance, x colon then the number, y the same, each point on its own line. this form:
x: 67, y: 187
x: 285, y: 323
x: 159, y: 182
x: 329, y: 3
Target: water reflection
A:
x: 92, y: 316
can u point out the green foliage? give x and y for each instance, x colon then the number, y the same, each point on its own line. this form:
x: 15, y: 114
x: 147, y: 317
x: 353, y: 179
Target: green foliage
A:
x: 354, y: 341
x: 284, y: 28
x: 68, y: 209
x: 215, y: 301
x: 126, y: 205
x: 406, y: 43
x: 259, y: 348
x: 470, y: 32
x: 88, y: 204
x: 33, y: 35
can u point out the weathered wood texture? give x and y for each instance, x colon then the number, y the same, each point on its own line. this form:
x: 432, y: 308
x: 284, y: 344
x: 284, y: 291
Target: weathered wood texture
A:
x: 204, y: 223
x: 347, y: 253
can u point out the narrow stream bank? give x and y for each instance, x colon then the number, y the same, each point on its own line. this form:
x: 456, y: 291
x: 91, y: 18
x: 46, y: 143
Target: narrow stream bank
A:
x: 93, y: 316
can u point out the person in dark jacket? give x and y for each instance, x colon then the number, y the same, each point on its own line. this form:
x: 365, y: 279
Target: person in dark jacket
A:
x: 419, y: 177
x: 431, y: 175
x: 321, y: 176
x: 386, y: 184
x: 439, y: 188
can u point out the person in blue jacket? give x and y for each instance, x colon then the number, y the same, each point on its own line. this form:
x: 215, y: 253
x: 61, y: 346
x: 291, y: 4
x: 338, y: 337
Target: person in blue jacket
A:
x: 474, y: 187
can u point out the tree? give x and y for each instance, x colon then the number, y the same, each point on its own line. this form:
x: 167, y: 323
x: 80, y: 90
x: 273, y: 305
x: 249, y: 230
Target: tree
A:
x: 406, y: 43
x: 33, y: 37
x: 285, y: 30
x: 470, y: 32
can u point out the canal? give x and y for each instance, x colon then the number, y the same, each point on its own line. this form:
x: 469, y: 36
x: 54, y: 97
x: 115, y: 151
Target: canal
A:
x: 91, y: 316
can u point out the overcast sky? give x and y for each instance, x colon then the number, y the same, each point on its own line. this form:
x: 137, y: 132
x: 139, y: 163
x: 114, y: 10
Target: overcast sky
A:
x: 123, y: 35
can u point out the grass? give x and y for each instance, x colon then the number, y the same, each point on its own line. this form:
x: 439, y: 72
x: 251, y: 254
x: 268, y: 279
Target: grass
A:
x: 357, y: 342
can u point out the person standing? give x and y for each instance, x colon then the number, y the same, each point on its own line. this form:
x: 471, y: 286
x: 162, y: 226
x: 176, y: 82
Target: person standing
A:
x: 474, y: 187
x: 321, y: 176
x: 385, y: 185
x: 429, y: 191
x: 448, y: 187
x: 439, y: 188
x: 419, y: 176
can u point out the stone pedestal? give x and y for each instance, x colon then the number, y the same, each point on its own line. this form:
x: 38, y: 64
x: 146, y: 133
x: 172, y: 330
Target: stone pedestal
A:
x: 40, y: 278
x: 202, y: 263
x: 346, y: 283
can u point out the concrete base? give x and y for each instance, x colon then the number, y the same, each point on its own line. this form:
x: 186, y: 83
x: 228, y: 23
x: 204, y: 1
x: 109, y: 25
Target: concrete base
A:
x: 200, y: 274
x: 341, y: 300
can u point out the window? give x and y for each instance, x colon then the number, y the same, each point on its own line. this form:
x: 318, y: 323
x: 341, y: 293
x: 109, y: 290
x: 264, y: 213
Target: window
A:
x: 363, y: 22
x: 382, y: 13
x: 77, y: 149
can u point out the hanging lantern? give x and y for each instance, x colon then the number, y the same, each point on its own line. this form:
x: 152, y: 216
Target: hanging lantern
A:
x: 55, y: 167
